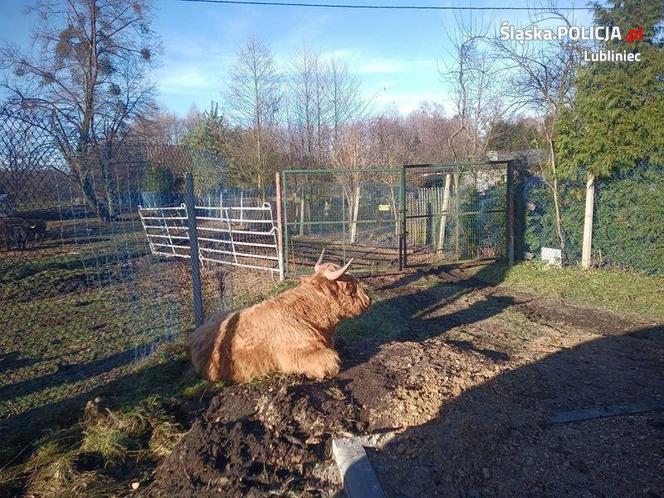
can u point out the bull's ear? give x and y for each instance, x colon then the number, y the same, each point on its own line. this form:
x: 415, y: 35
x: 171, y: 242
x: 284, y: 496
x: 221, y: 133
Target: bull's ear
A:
x: 335, y: 274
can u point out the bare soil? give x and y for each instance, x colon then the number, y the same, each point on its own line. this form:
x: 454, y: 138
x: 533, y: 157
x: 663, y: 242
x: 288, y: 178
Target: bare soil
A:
x: 460, y: 386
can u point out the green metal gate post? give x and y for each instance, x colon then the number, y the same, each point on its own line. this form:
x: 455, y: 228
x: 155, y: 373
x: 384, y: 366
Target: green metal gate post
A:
x: 403, y: 246
x: 509, y: 212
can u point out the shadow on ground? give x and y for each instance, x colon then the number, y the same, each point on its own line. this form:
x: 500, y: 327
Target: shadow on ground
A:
x: 419, y: 305
x: 498, y: 439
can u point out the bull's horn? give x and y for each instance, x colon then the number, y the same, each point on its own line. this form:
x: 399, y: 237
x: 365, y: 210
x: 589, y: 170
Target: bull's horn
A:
x: 335, y: 274
x: 320, y: 260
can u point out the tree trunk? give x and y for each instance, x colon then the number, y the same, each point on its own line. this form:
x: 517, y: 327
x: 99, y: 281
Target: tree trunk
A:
x: 556, y: 198
x: 302, y: 213
x: 109, y: 187
x: 445, y: 207
x: 92, y: 199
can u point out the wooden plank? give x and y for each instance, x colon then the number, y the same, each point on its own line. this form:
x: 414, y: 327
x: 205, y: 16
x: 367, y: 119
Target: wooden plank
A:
x: 357, y: 474
x: 606, y: 411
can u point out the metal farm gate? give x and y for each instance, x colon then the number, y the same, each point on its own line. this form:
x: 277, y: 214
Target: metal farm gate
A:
x: 384, y: 218
x: 456, y: 212
x: 352, y: 213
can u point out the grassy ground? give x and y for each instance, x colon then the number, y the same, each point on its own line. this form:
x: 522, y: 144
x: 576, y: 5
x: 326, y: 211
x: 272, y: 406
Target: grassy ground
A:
x: 83, y: 310
x: 71, y: 329
x: 100, y: 443
x: 53, y: 367
x: 615, y: 290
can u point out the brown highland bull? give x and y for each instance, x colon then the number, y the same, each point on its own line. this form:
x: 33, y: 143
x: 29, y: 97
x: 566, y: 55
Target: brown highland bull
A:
x: 290, y: 333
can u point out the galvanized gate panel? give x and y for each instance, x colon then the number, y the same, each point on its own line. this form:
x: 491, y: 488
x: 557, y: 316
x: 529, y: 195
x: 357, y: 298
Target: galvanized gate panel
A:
x: 454, y: 213
x: 351, y: 213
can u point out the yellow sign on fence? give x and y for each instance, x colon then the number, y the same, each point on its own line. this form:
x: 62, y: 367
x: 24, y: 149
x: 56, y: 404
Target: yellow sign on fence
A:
x: 383, y: 207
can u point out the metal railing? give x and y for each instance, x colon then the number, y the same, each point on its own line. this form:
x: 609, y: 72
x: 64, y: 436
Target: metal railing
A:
x: 240, y: 236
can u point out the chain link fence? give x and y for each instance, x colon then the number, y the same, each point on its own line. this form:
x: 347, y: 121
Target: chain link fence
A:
x: 83, y: 294
x: 628, y: 224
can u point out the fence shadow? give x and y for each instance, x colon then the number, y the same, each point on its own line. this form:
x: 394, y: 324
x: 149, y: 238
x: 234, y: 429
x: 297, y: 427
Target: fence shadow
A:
x: 19, y: 432
x: 424, y: 313
x: 66, y: 374
x: 498, y: 439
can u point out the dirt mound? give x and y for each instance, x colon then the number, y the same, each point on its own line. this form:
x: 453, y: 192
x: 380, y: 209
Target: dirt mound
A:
x: 274, y: 436
x: 459, y: 399
x: 258, y: 439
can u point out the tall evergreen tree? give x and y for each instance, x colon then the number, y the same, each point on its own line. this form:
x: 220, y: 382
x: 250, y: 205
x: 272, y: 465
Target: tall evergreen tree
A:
x: 616, y: 117
x: 618, y: 110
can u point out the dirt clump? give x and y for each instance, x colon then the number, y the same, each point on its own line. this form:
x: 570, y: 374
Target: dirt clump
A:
x: 271, y: 438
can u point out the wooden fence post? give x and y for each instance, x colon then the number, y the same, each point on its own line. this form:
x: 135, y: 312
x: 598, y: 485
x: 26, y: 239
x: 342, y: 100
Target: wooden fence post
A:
x: 280, y: 237
x: 588, y: 222
x: 190, y: 203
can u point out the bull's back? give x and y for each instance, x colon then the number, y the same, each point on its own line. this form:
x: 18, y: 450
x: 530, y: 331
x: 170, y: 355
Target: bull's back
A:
x: 202, y: 343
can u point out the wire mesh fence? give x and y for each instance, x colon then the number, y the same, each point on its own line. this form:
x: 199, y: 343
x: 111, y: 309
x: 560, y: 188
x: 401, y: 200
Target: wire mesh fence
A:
x: 83, y: 295
x: 628, y: 224
x: 455, y: 212
x: 95, y: 244
x: 351, y: 213
x: 441, y: 213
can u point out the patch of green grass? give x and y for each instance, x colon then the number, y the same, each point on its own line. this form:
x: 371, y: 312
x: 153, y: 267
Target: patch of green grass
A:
x: 615, y: 290
x: 82, y: 318
x: 134, y: 420
x: 380, y: 320
x: 111, y: 444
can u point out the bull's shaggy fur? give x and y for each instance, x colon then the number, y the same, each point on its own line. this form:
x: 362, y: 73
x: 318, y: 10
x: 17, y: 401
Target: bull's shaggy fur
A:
x: 290, y: 333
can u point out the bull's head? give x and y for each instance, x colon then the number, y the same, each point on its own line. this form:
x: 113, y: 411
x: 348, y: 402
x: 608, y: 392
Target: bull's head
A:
x: 351, y: 295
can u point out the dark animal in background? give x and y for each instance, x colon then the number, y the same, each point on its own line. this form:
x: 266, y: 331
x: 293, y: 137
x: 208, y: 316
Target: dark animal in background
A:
x: 36, y: 229
x: 14, y: 235
x: 17, y: 232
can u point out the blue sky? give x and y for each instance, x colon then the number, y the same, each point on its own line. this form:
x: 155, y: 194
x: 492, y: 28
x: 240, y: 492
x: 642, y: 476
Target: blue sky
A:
x: 395, y: 53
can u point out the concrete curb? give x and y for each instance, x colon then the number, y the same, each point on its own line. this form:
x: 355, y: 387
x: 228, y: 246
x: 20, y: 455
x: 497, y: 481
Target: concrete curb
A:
x: 357, y: 474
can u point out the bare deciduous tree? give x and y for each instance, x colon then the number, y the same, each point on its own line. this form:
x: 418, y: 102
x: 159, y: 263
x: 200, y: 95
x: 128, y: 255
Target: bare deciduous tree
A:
x: 308, y: 106
x: 353, y: 152
x: 85, y: 84
x: 470, y: 70
x: 542, y: 81
x: 346, y: 103
x: 253, y: 99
